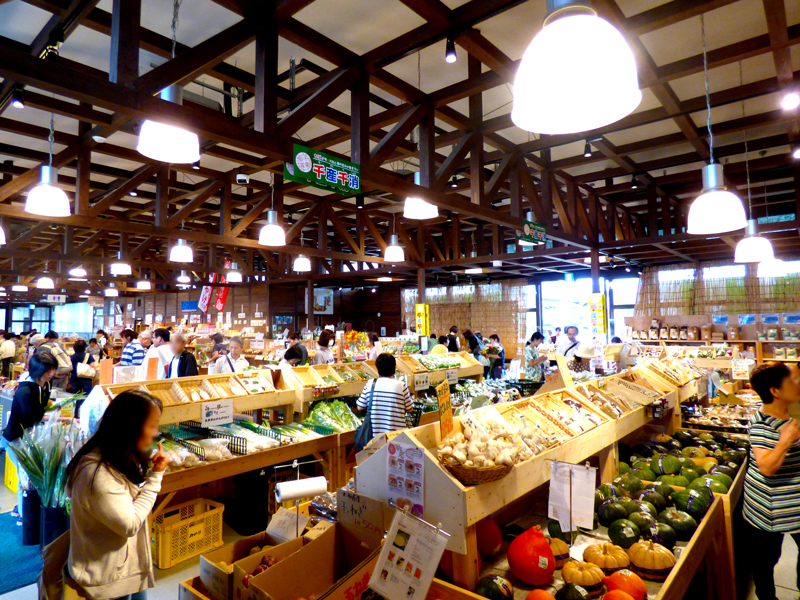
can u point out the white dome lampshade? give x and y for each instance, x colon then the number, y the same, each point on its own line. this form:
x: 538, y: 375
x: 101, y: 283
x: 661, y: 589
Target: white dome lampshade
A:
x: 45, y: 283
x: 417, y: 208
x: 385, y: 279
x: 771, y: 269
x: 2, y: 237
x: 78, y: 272
x: 301, y: 264
x: 394, y: 251
x: 167, y: 143
x: 497, y: 263
x: 716, y: 210
x: 577, y: 74
x: 121, y: 268
x: 184, y: 278
x: 47, y: 199
x: 233, y: 276
x: 111, y: 292
x: 272, y: 234
x: 143, y: 285
x: 753, y: 248
x: 181, y: 252
x: 19, y: 288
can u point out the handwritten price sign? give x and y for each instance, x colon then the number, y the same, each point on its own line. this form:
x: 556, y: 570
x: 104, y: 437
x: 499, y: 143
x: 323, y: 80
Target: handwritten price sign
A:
x: 445, y: 408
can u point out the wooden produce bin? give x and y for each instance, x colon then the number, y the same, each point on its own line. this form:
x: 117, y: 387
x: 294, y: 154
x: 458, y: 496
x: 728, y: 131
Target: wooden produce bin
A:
x: 469, y: 366
x: 346, y: 388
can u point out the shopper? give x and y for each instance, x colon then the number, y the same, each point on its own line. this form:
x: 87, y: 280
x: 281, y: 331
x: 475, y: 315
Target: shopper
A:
x: 473, y: 344
x: 569, y: 343
x: 391, y: 399
x: 434, y: 343
x: 27, y: 408
x: 533, y: 361
x: 324, y: 355
x: 582, y: 358
x: 76, y: 383
x: 113, y: 485
x: 234, y: 361
x: 132, y: 352
x: 159, y: 350
x: 183, y: 363
x: 499, y: 363
x: 555, y: 339
x: 441, y: 347
x: 374, y: 343
x: 8, y: 351
x: 34, y: 341
x: 94, y: 349
x: 453, y: 344
x: 292, y: 357
x: 52, y: 345
x: 624, y: 361
x: 103, y: 342
x: 772, y: 479
x: 219, y: 348
x: 295, y: 340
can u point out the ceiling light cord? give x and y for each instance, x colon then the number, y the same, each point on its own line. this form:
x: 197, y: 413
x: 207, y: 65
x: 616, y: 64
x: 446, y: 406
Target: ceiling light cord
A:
x: 708, y: 96
x: 176, y: 8
x: 746, y: 153
x: 51, y: 139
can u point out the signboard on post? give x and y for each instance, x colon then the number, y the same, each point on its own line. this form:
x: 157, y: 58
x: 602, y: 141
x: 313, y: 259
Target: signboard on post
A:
x: 597, y: 312
x: 445, y: 408
x: 532, y: 234
x: 321, y: 170
x: 423, y: 320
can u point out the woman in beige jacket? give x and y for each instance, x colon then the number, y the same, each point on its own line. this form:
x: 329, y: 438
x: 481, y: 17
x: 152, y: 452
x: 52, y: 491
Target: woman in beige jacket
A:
x: 113, y: 487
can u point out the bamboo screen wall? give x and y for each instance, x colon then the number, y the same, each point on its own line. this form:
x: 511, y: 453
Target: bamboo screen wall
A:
x: 489, y: 308
x: 670, y: 294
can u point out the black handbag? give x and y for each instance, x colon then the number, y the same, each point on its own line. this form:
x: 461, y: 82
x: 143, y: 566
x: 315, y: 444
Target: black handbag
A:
x: 364, y: 432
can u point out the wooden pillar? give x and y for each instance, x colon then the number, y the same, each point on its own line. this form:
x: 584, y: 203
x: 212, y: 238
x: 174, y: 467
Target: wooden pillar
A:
x: 652, y: 211
x: 427, y: 150
x: 421, y: 294
x: 516, y: 193
x: 84, y: 168
x: 162, y: 196
x: 456, y: 237
x: 593, y: 206
x: 266, y: 90
x: 465, y: 566
x: 595, y: 271
x: 310, y: 303
x: 476, y: 163
x: 124, y: 63
x: 225, y: 201
x: 359, y: 119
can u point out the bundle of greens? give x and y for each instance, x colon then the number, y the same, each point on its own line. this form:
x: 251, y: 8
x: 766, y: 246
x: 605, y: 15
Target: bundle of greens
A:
x: 43, y: 452
x: 432, y: 362
x: 335, y: 415
x: 297, y: 432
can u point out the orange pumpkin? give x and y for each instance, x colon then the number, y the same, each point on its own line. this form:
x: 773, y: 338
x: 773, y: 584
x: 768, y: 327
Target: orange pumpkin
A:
x: 628, y: 582
x: 489, y: 537
x: 607, y: 556
x: 651, y: 561
x: 539, y: 595
x: 584, y: 574
x: 560, y: 551
x: 530, y: 557
x: 617, y: 595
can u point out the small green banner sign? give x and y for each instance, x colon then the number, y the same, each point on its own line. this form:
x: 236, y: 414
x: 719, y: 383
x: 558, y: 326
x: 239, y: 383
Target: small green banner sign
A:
x: 323, y: 171
x: 532, y: 234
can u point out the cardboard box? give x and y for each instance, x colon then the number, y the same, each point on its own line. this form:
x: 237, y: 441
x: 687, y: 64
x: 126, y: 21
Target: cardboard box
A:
x: 192, y: 589
x: 705, y: 332
x: 331, y: 565
x: 249, y: 564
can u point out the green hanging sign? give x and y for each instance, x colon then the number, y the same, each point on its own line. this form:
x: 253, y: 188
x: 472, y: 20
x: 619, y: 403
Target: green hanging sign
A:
x: 323, y: 171
x: 532, y: 234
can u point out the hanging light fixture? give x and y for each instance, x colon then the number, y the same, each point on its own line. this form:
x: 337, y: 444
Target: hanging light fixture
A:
x: 587, y: 150
x: 78, y: 272
x: 120, y: 268
x: 450, y: 55
x: 181, y: 252
x: 18, y: 97
x: 574, y: 52
x: 715, y: 210
x: 111, y: 292
x: 301, y: 263
x: 359, y: 201
x: 394, y: 251
x: 790, y: 101
x: 45, y: 283
x: 143, y: 284
x: 473, y: 271
x: 417, y: 208
x: 771, y: 269
x: 2, y: 233
x: 183, y: 278
x: 385, y: 279
x: 796, y: 153
x: 47, y: 199
x: 272, y: 234
x: 497, y: 263
x: 233, y: 275
x: 19, y: 288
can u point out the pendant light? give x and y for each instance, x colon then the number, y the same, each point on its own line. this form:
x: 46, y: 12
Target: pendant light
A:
x: 272, y: 234
x: 233, y: 275
x: 752, y: 248
x: 45, y: 283
x: 183, y: 278
x: 47, y: 199
x: 120, y: 268
x: 167, y: 143
x: 715, y: 210
x: 19, y: 288
x: 578, y: 73
x: 78, y: 272
x: 450, y: 55
x: 111, y: 291
x: 2, y: 233
x: 181, y: 252
x: 301, y: 263
x: 497, y: 263
x: 385, y: 279
x: 417, y: 208
x: 143, y: 284
x: 394, y: 252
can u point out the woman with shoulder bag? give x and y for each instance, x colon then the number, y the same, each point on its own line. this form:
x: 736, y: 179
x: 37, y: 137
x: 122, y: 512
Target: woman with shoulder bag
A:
x: 386, y: 401
x: 81, y: 379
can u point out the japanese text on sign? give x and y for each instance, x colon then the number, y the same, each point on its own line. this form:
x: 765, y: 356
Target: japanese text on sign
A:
x: 218, y: 412
x: 321, y: 170
x: 445, y: 408
x: 532, y: 234
x: 421, y: 382
x: 452, y: 376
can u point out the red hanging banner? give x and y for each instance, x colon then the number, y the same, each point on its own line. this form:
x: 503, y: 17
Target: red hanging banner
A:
x: 222, y: 292
x: 205, y: 294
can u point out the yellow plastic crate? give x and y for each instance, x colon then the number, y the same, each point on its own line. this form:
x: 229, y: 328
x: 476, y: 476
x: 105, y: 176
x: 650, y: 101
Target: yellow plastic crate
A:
x: 10, y: 475
x: 186, y: 530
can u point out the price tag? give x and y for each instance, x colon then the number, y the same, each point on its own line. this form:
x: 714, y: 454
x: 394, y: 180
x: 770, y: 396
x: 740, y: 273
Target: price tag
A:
x: 218, y: 412
x: 740, y: 368
x: 452, y: 376
x: 241, y: 315
x: 421, y: 382
x: 445, y: 408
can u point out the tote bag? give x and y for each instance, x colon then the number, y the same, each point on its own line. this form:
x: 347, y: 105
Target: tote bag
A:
x: 84, y: 370
x: 364, y: 432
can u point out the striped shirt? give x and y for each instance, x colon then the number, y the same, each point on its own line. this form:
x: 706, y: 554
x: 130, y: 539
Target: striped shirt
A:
x: 772, y: 503
x: 132, y: 354
x: 391, y: 402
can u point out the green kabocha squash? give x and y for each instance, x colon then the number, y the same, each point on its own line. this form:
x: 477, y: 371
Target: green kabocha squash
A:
x: 693, y: 502
x: 609, y: 491
x: 633, y: 506
x: 721, y: 477
x: 629, y: 485
x: 743, y: 444
x: 706, y: 437
x: 598, y: 499
x: 739, y: 456
x: 641, y: 464
x: 624, y: 533
x: 683, y: 524
x: 644, y: 473
x: 673, y: 480
x: 692, y: 452
x: 684, y: 437
x: 494, y: 587
x: 729, y: 469
x: 705, y: 484
x: 654, y: 498
x: 665, y: 465
x: 663, y: 534
x: 644, y: 521
x: 570, y: 591
x: 624, y: 468
x: 610, y: 511
x: 554, y: 530
x: 665, y: 490
x: 691, y: 473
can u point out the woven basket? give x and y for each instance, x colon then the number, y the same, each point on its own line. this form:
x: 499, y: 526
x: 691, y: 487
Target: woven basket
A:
x: 472, y: 475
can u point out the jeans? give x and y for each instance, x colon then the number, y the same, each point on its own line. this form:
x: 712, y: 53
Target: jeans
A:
x: 7, y: 366
x: 4, y: 444
x: 137, y: 596
x: 767, y: 546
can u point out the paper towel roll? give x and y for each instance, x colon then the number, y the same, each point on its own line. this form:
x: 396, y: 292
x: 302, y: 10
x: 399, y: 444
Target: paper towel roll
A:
x: 300, y: 488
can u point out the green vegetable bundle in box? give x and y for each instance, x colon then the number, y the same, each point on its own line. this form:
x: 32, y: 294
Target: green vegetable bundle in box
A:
x: 336, y: 415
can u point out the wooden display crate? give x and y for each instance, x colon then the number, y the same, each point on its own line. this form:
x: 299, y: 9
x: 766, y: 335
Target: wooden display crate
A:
x: 409, y: 365
x: 168, y: 392
x: 113, y: 390
x: 365, y: 367
x: 329, y: 371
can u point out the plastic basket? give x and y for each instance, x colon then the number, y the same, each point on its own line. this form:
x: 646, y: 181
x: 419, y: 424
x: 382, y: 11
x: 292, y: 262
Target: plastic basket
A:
x: 416, y: 414
x: 186, y: 530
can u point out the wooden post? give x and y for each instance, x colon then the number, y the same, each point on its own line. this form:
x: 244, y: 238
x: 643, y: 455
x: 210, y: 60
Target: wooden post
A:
x: 595, y: 271
x: 421, y: 293
x: 266, y: 90
x: 162, y: 196
x: 84, y: 170
x: 310, y: 303
x: 225, y: 202
x: 359, y: 117
x: 124, y: 63
x: 476, y: 182
x: 466, y: 566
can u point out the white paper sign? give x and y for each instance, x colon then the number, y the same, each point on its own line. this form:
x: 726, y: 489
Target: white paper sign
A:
x: 256, y: 344
x: 240, y: 315
x: 408, y: 560
x: 217, y: 412
x: 286, y: 524
x: 581, y: 487
x: 741, y: 368
x: 406, y: 482
x: 421, y: 382
x: 452, y: 376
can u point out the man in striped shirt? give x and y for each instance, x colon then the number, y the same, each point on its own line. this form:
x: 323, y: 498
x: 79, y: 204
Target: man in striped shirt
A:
x: 391, y: 399
x: 772, y: 482
x: 133, y: 352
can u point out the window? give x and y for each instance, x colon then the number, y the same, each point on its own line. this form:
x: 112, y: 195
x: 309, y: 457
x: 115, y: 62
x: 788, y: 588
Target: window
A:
x: 625, y: 290
x: 566, y: 303
x: 73, y: 319
x: 531, y: 314
x: 792, y: 266
x: 623, y: 300
x: 724, y: 272
x: 675, y: 275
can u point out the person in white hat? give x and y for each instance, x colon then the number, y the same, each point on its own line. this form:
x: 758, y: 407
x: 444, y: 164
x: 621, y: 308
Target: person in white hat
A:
x: 582, y: 359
